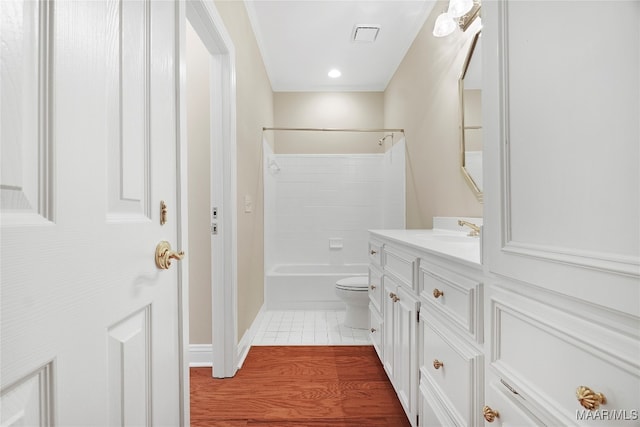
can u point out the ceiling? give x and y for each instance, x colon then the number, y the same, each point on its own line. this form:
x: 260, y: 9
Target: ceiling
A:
x: 301, y: 40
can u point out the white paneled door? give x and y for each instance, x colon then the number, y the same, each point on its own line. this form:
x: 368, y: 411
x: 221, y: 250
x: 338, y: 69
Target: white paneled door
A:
x: 90, y: 325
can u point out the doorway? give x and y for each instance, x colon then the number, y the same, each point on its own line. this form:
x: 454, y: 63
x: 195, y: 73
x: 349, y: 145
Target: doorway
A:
x: 208, y: 153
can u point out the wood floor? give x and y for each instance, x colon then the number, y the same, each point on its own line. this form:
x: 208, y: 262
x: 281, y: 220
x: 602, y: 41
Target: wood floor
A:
x: 299, y: 386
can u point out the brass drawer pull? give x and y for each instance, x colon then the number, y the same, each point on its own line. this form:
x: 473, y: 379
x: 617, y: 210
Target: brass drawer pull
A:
x: 437, y: 364
x: 489, y: 414
x: 589, y: 399
x: 437, y: 293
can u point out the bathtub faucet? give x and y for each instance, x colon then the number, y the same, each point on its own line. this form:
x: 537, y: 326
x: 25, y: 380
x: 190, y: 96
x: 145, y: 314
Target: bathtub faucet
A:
x: 475, y: 230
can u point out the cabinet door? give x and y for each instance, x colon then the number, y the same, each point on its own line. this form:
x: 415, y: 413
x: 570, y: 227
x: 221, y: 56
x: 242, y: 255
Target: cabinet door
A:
x: 388, y: 335
x: 377, y: 329
x: 405, y: 350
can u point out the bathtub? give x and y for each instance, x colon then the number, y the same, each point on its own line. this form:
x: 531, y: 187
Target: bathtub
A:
x: 307, y: 286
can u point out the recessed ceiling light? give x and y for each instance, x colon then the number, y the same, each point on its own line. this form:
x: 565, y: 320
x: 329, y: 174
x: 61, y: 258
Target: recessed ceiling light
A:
x: 335, y: 73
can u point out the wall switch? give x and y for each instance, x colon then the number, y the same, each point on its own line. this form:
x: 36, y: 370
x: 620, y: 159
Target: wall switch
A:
x: 248, y: 204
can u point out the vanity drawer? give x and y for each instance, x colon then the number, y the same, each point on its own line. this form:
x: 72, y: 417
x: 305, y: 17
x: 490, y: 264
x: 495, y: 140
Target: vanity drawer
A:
x: 546, y: 353
x: 507, y: 408
x: 457, y: 297
x: 376, y: 332
x: 402, y: 265
x: 455, y: 370
x: 375, y: 253
x: 375, y: 289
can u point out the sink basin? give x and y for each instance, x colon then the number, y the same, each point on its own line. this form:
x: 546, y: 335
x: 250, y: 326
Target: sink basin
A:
x: 447, y: 237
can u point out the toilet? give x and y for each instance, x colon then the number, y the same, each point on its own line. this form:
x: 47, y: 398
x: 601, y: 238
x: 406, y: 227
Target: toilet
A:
x: 354, y: 292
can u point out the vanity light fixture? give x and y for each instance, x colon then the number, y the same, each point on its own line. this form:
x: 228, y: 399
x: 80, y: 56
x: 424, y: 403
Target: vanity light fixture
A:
x: 460, y: 13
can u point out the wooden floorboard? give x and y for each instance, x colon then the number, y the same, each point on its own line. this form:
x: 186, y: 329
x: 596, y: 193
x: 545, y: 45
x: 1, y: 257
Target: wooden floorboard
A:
x: 298, y: 386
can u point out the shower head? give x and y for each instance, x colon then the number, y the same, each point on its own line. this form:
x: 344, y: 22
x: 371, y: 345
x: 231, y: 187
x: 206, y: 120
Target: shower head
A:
x: 381, y: 140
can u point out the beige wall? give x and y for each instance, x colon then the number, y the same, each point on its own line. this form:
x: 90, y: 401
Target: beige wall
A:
x: 361, y: 110
x: 199, y: 189
x: 254, y: 99
x: 422, y: 98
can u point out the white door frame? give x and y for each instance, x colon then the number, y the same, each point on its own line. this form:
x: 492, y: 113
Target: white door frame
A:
x: 208, y: 24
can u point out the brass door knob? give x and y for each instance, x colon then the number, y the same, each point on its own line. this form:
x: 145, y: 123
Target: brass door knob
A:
x: 437, y: 293
x: 589, y: 399
x: 164, y: 255
x: 437, y: 364
x: 489, y: 414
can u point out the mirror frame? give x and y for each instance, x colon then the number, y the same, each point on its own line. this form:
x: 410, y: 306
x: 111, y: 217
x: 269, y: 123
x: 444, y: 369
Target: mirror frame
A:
x: 472, y: 184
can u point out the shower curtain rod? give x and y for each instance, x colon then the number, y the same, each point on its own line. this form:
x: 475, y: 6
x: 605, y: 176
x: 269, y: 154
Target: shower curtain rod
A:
x: 335, y: 129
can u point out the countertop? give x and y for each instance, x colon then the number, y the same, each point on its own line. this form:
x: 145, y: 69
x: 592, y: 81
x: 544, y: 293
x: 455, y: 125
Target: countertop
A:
x: 451, y: 244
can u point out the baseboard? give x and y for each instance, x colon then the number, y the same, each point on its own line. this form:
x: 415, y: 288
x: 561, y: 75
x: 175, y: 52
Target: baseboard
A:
x: 200, y: 355
x: 245, y: 343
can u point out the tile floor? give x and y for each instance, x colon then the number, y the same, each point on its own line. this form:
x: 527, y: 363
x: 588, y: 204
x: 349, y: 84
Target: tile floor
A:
x: 302, y: 327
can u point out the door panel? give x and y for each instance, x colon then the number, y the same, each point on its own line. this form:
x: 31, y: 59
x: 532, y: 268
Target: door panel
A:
x: 82, y: 296
x: 25, y: 181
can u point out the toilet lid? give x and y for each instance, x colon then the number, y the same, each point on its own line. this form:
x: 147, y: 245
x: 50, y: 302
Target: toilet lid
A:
x: 356, y: 283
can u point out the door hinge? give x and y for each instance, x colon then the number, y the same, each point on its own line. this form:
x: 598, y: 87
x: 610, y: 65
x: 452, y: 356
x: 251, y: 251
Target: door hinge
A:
x: 418, y: 316
x: 214, y: 228
x: 417, y: 420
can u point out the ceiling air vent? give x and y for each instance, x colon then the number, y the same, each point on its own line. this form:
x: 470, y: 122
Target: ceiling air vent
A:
x: 365, y: 33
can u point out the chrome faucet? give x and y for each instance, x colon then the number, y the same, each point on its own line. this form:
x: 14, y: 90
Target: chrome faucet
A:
x: 475, y: 230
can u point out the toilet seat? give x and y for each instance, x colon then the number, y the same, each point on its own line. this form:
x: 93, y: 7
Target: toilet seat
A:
x: 356, y: 283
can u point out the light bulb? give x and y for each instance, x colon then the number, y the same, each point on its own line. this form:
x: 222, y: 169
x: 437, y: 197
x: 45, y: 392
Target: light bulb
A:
x: 444, y: 25
x: 458, y: 8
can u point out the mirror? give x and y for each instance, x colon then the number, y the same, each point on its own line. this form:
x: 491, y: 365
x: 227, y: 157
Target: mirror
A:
x: 470, y: 87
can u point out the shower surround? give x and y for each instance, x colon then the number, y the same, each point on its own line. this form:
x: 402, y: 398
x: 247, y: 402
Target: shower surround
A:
x: 318, y: 209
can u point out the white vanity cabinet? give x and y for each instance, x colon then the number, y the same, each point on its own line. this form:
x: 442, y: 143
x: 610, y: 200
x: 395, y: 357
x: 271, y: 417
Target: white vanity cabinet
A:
x: 451, y: 358
x: 393, y: 308
x: 411, y: 328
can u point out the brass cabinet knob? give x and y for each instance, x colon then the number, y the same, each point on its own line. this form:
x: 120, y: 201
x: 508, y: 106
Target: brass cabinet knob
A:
x: 489, y: 414
x: 437, y: 364
x: 373, y: 330
x: 164, y: 255
x: 589, y: 399
x: 373, y: 287
x: 437, y: 293
x: 373, y: 252
x: 392, y: 295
